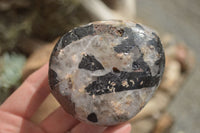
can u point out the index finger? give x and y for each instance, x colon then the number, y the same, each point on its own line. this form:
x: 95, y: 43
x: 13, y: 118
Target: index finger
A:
x: 27, y: 98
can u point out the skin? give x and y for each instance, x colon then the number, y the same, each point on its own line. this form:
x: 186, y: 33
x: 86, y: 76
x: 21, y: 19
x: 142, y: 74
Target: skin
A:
x: 17, y: 110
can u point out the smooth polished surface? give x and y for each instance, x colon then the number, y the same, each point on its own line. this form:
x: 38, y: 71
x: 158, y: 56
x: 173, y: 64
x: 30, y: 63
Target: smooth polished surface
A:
x: 105, y: 72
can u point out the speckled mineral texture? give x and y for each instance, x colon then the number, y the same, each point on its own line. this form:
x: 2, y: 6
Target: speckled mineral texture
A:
x: 105, y: 72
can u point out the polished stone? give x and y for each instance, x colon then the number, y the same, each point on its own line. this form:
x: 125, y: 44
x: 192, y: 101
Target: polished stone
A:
x: 105, y: 72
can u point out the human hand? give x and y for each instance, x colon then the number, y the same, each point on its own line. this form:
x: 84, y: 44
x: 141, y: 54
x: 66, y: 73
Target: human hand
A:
x: 16, y: 111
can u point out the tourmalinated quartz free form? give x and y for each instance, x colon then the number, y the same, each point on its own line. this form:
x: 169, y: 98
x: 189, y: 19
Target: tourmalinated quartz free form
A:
x: 105, y: 72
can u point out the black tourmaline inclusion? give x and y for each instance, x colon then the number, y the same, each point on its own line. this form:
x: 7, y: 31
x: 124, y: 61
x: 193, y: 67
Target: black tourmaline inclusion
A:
x: 90, y: 63
x: 92, y: 117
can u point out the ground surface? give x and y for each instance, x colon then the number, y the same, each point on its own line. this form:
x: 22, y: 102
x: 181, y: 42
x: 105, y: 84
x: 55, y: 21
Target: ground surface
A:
x: 182, y: 19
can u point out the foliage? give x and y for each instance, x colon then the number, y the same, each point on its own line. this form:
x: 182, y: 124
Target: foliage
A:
x: 10, y: 72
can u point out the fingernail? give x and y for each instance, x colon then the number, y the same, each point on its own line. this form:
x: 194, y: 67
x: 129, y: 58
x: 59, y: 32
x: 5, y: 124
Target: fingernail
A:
x: 124, y: 129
